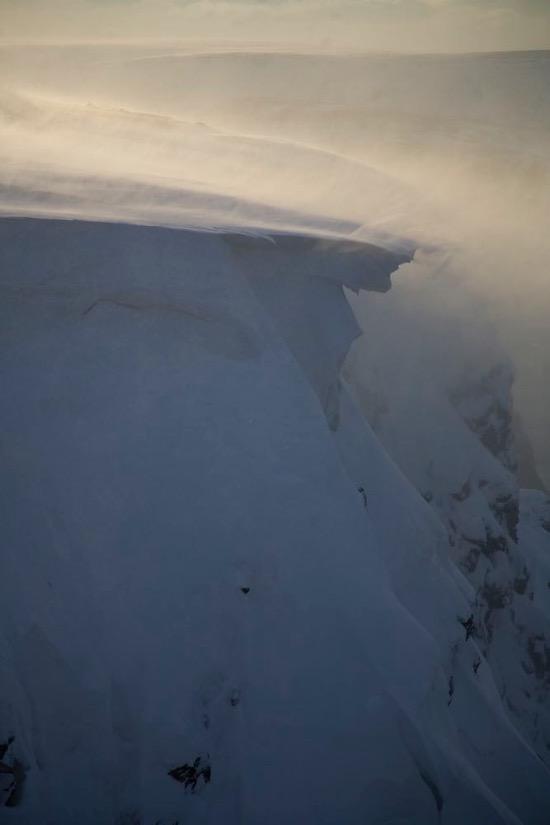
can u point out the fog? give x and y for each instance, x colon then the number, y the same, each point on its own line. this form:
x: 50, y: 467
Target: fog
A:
x: 394, y: 25
x: 449, y: 151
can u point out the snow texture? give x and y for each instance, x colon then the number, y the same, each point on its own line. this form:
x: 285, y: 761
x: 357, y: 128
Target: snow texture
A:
x: 222, y: 600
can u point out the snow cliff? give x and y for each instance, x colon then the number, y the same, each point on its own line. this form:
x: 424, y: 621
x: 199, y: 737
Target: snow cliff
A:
x: 222, y: 600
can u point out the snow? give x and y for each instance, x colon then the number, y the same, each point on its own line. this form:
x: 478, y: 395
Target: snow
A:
x: 262, y: 518
x: 445, y: 415
x: 164, y: 450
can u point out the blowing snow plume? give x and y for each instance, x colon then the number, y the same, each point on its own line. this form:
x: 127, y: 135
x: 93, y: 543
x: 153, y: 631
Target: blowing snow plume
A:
x: 451, y: 151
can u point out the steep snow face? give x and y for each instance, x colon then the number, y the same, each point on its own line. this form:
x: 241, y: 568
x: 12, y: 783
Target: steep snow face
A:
x: 441, y: 401
x: 216, y: 608
x: 319, y: 332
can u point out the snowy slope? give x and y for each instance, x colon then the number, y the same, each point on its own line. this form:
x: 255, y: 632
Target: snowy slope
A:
x: 440, y: 399
x: 209, y: 555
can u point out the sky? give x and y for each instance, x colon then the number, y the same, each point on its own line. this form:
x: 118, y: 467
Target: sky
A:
x: 396, y: 25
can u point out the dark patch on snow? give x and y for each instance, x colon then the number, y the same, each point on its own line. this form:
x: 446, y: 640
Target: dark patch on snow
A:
x: 464, y: 492
x: 539, y: 654
x: 245, y: 590
x: 494, y: 426
x: 471, y: 559
x: 190, y: 775
x: 495, y: 597
x: 433, y: 788
x: 506, y: 511
x: 494, y: 429
x: 14, y: 793
x: 4, y: 746
x: 468, y: 625
x: 488, y: 548
x: 451, y: 688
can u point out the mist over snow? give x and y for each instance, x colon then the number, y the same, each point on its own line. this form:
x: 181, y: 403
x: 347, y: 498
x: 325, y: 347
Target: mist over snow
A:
x: 275, y: 426
x: 390, y: 25
x: 451, y: 151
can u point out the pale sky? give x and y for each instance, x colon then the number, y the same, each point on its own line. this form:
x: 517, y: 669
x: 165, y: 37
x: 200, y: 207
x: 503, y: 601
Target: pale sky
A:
x: 400, y: 25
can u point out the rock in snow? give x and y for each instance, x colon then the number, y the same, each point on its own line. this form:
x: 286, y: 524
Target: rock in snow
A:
x: 203, y: 620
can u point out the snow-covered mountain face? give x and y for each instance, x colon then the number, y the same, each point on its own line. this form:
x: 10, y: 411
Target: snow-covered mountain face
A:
x: 266, y: 557
x: 221, y: 599
x: 445, y: 414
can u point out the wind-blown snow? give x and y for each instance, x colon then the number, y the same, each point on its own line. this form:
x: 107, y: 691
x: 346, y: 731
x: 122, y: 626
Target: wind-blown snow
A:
x: 447, y: 150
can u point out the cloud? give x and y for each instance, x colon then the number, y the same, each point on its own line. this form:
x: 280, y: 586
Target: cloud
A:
x: 406, y: 25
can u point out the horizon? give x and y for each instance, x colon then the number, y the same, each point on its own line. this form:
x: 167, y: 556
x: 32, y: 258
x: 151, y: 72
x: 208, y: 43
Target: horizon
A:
x: 402, y: 26
x: 235, y: 46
